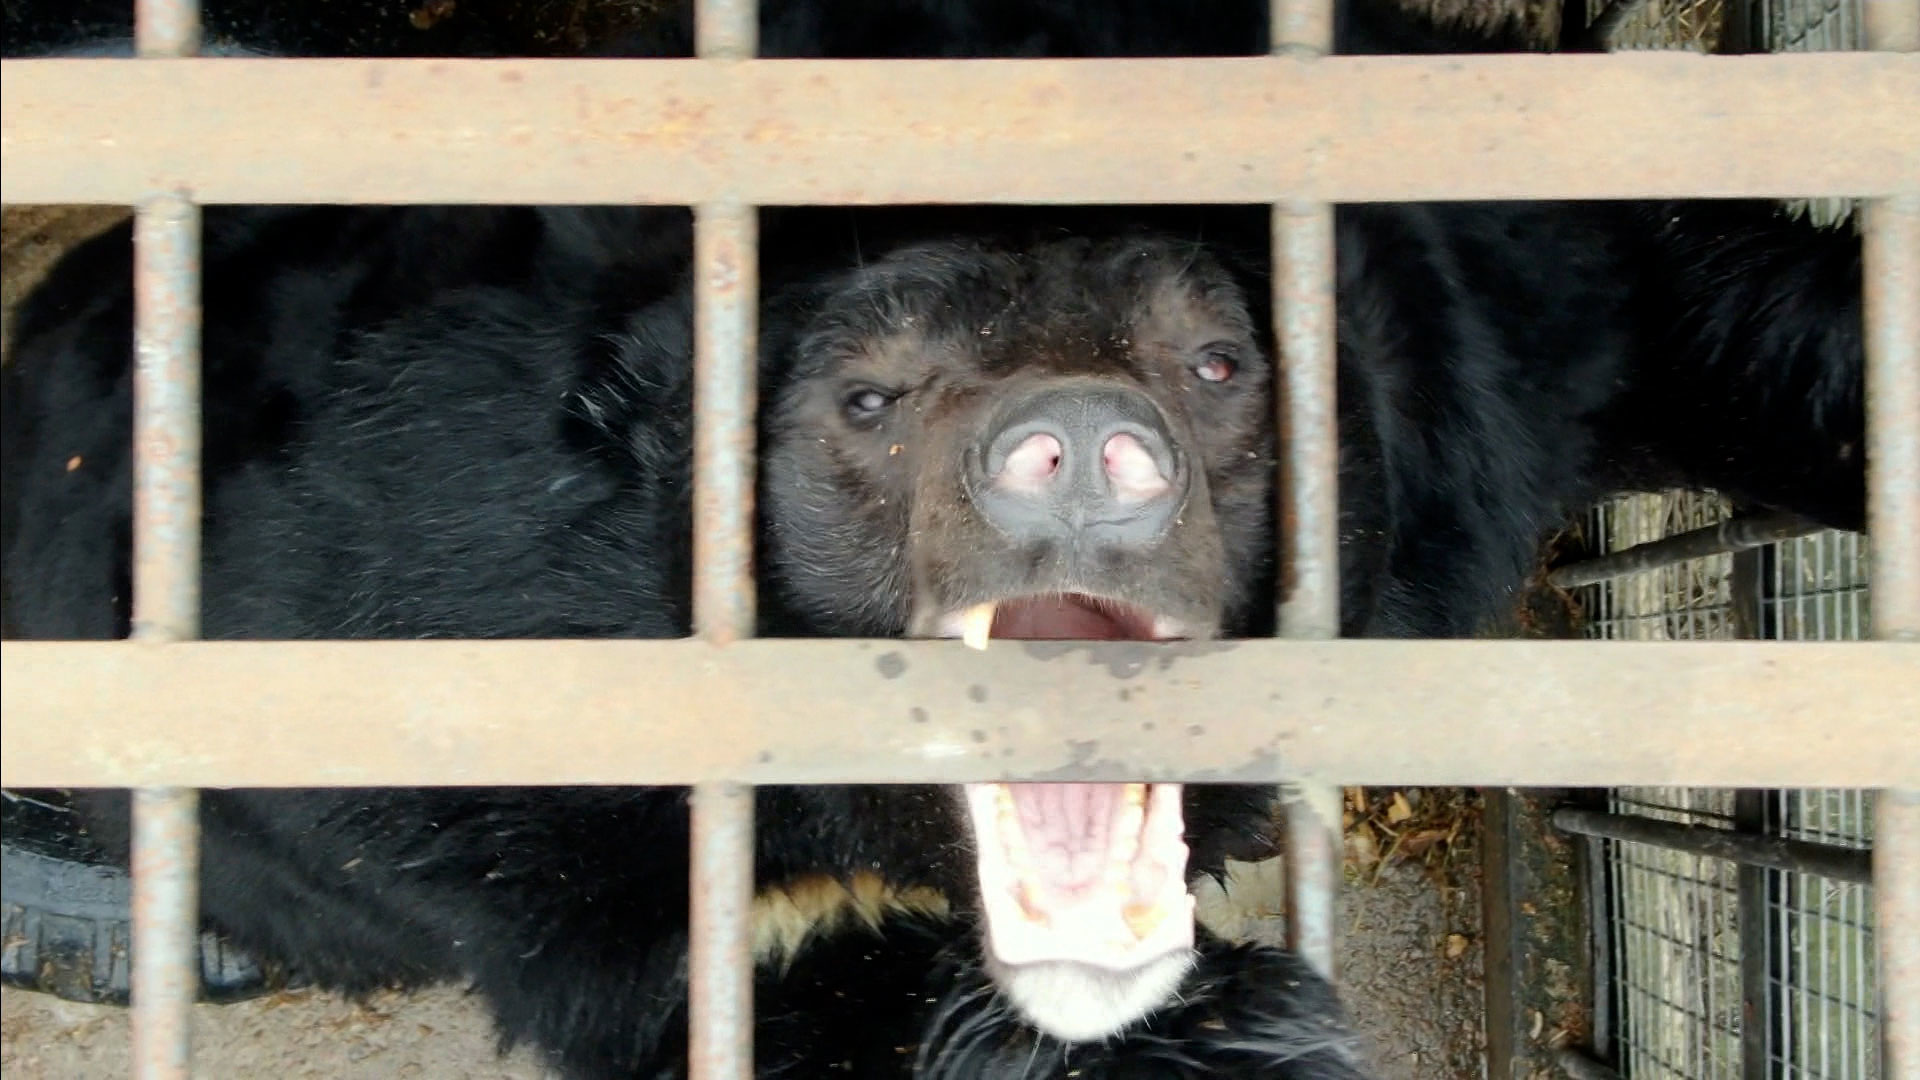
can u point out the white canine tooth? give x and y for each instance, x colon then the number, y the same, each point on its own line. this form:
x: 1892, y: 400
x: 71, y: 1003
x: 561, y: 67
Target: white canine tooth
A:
x: 976, y: 626
x: 1003, y: 798
x: 1125, y: 845
x: 1144, y: 919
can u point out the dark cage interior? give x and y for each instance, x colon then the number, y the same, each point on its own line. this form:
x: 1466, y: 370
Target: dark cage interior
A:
x: 1128, y: 425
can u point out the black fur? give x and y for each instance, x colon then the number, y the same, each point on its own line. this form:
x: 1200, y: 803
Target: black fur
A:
x: 473, y: 422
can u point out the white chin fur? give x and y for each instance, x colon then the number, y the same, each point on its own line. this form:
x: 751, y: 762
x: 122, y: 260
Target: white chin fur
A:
x: 1077, y: 1003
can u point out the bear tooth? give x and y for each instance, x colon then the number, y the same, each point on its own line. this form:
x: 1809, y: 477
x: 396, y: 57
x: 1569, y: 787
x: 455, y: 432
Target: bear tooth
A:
x: 1143, y: 919
x: 976, y: 626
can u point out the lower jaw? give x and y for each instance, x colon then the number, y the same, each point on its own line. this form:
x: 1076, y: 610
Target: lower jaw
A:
x: 1078, y: 1004
x: 1134, y: 911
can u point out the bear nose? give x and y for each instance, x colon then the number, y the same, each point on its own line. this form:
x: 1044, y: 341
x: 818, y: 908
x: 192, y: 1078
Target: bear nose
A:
x: 1092, y: 461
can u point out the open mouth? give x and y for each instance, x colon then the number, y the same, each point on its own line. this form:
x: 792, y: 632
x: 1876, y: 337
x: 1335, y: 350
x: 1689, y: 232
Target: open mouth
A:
x: 1091, y: 875
x: 1059, y: 617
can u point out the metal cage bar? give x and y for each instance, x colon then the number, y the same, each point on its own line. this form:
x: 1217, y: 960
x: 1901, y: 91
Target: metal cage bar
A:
x: 776, y: 132
x: 726, y: 381
x: 1896, y: 848
x: 1309, y: 511
x: 1734, y: 845
x: 1760, y: 714
x: 1891, y: 265
x: 166, y: 578
x: 1728, y: 536
x: 720, y: 979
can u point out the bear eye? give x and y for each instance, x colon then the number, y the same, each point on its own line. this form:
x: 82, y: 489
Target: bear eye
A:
x: 1215, y: 367
x: 864, y: 404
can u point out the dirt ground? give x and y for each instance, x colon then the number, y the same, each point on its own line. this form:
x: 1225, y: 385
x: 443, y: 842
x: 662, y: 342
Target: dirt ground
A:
x: 1410, y: 971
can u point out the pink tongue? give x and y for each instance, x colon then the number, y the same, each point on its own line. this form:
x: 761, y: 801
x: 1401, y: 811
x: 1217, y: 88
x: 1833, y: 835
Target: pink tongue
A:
x: 1054, y: 619
x: 1069, y: 832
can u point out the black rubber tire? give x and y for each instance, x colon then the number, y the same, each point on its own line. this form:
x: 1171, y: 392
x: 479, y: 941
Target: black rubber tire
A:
x: 66, y: 914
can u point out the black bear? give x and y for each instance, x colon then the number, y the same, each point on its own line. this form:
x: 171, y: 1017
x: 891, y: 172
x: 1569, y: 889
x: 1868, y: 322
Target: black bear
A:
x: 1034, y: 424
x: 438, y: 422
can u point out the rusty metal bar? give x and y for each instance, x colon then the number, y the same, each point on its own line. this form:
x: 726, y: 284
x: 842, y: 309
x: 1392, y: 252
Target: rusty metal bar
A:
x: 1759, y: 1019
x: 1781, y: 853
x: 1308, y: 442
x: 1896, y: 902
x: 1302, y: 28
x: 1309, y: 599
x: 1227, y: 130
x: 726, y: 294
x: 1891, y: 269
x: 166, y: 578
x: 1540, y: 713
x: 1580, y: 1065
x: 166, y: 421
x: 720, y: 977
x: 166, y: 28
x: 1732, y: 535
x: 725, y: 396
x: 720, y: 934
x: 166, y: 946
x: 1892, y: 25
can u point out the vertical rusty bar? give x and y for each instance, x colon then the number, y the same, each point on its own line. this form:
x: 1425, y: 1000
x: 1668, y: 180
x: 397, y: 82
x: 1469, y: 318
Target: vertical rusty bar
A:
x: 166, y: 607
x: 166, y: 577
x: 1891, y: 269
x: 163, y: 28
x: 1891, y: 241
x: 1309, y: 451
x: 1303, y: 245
x: 725, y: 396
x: 1301, y: 27
x: 726, y: 29
x: 720, y: 1007
x: 1896, y: 901
x: 1892, y: 25
x: 1757, y: 1019
x: 166, y: 875
x: 726, y: 263
x: 720, y: 938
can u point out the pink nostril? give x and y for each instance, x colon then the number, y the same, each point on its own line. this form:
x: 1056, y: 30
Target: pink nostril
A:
x: 1031, y: 464
x: 1133, y: 472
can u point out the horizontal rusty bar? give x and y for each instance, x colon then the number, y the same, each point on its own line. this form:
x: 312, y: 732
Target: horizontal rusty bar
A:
x: 1245, y: 129
x: 1734, y: 534
x: 1529, y: 713
x: 1784, y: 853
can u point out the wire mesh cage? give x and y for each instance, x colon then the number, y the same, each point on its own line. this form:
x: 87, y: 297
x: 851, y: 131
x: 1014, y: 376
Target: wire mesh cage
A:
x: 1719, y: 970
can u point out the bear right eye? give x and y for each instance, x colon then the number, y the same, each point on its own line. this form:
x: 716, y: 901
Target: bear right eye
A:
x: 865, y: 404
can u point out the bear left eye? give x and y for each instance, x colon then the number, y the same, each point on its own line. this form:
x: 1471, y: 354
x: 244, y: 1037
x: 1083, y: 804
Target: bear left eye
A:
x: 866, y: 403
x: 1215, y: 367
